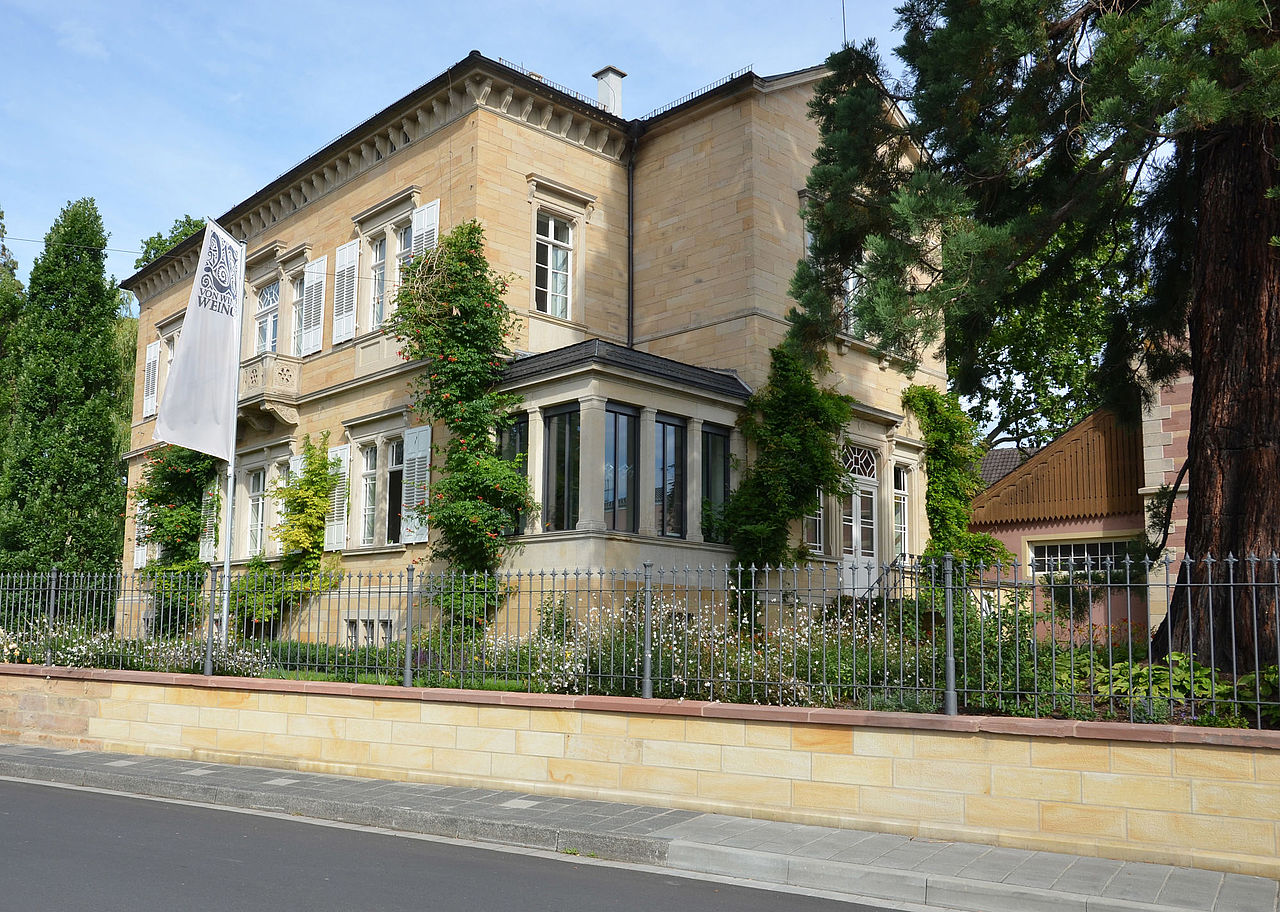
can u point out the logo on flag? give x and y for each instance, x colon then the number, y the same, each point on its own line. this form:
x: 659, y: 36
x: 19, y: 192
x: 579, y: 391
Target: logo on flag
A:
x: 198, y: 410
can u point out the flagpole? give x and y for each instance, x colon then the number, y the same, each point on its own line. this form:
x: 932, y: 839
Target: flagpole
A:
x: 231, y: 462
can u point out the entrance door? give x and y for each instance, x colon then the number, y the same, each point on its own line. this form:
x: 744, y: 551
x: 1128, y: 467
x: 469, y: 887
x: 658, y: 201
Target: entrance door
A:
x: 859, y: 520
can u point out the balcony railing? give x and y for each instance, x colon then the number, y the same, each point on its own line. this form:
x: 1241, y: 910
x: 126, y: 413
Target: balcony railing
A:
x: 271, y: 375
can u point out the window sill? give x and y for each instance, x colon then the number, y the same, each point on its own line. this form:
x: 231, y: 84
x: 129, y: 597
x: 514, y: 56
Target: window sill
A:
x: 363, y: 550
x: 567, y: 322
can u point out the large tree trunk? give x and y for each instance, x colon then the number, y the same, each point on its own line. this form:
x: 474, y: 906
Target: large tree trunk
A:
x: 1234, y: 446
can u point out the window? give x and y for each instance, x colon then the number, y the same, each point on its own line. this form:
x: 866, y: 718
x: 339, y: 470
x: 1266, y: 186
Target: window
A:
x: 346, y: 265
x: 299, y: 285
x: 378, y: 276
x: 858, y: 520
x: 417, y: 478
x: 620, y: 458
x: 395, y: 489
x: 418, y: 236
x: 1067, y: 557
x: 151, y: 380
x: 268, y: 318
x: 390, y: 233
x: 668, y: 475
x: 404, y: 249
x: 311, y: 320
x: 209, y: 500
x: 901, y: 509
x: 560, y: 509
x: 513, y: 446
x: 848, y: 319
x: 140, y: 534
x: 553, y: 245
x: 425, y: 223
x: 368, y: 631
x: 156, y: 366
x: 335, y: 520
x: 257, y: 509
x: 849, y: 282
x: 814, y: 526
x: 715, y: 482
x: 368, y: 493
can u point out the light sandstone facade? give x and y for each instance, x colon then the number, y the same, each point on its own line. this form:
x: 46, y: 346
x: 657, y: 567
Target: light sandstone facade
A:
x: 650, y: 262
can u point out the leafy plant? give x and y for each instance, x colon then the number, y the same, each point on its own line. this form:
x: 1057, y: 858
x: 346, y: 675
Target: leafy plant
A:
x: 1177, y: 677
x: 451, y: 315
x: 794, y: 426
x: 951, y: 458
x: 1260, y: 688
x: 169, y: 495
x: 304, y: 499
x: 466, y: 600
x: 159, y: 243
x: 178, y: 595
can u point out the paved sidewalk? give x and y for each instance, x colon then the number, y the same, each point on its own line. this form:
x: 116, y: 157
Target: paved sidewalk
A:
x: 859, y: 864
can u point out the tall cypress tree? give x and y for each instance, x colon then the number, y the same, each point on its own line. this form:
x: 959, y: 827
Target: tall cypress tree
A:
x: 11, y: 298
x: 62, y: 488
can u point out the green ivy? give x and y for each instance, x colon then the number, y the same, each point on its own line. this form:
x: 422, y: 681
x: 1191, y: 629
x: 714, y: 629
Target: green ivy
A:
x: 169, y: 494
x: 795, y: 427
x: 451, y: 317
x: 262, y: 593
x: 951, y: 457
x: 304, y: 500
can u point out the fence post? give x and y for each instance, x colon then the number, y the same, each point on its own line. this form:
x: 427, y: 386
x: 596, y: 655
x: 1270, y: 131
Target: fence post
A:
x: 646, y: 683
x: 408, y: 632
x: 208, y: 640
x: 950, y: 705
x: 53, y: 598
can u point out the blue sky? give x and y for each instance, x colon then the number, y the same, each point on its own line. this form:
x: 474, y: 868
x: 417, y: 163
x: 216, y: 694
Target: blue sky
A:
x: 158, y: 109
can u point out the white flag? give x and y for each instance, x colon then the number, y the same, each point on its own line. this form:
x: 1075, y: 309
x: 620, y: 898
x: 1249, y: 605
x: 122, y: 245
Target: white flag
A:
x: 198, y: 410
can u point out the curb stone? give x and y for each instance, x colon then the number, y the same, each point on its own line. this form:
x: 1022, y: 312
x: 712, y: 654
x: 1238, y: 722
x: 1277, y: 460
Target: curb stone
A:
x: 677, y: 840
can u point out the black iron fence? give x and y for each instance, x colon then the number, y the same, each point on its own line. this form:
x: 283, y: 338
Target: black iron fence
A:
x: 1186, y: 642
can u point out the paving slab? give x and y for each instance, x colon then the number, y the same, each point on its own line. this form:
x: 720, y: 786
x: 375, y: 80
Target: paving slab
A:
x: 853, y: 863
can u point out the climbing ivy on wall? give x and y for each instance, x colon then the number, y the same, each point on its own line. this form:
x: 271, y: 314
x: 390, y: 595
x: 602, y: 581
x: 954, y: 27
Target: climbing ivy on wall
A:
x: 951, y: 457
x: 168, y: 496
x: 794, y: 426
x: 451, y: 316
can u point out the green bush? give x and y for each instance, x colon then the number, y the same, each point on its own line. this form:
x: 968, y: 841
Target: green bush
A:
x: 178, y: 596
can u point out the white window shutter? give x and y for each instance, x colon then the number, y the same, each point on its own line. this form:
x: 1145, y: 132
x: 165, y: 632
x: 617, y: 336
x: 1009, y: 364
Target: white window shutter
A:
x: 344, y: 292
x: 416, y: 479
x: 209, y: 524
x: 151, y: 379
x: 426, y: 227
x: 313, y: 306
x: 140, y: 533
x: 297, y: 465
x: 335, y: 521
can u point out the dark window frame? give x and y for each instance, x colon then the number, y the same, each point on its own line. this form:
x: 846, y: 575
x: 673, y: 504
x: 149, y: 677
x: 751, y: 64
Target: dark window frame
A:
x: 619, y: 416
x: 713, y: 506
x: 561, y: 509
x: 670, y: 476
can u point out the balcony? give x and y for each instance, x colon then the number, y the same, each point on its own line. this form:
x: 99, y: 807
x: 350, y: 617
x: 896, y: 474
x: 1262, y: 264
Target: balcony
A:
x: 269, y: 387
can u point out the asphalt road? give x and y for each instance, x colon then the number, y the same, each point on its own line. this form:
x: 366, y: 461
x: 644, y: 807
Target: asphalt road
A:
x: 64, y: 850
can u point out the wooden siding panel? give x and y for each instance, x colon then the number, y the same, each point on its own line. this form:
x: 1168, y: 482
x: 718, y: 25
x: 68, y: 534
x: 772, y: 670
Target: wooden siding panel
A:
x: 1094, y: 469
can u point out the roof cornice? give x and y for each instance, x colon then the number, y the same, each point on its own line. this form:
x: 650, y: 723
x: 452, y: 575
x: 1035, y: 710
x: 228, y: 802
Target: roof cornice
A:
x: 475, y: 82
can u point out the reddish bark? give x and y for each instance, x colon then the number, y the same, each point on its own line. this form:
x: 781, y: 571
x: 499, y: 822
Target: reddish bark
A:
x: 1234, y: 454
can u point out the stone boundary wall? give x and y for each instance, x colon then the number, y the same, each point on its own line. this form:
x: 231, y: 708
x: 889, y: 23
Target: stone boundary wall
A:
x: 1186, y: 796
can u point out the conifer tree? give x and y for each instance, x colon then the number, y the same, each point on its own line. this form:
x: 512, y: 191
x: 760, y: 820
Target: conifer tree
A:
x: 11, y: 298
x: 62, y: 488
x: 1059, y: 134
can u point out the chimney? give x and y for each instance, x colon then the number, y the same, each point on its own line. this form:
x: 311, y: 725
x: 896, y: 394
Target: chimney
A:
x: 609, y: 89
